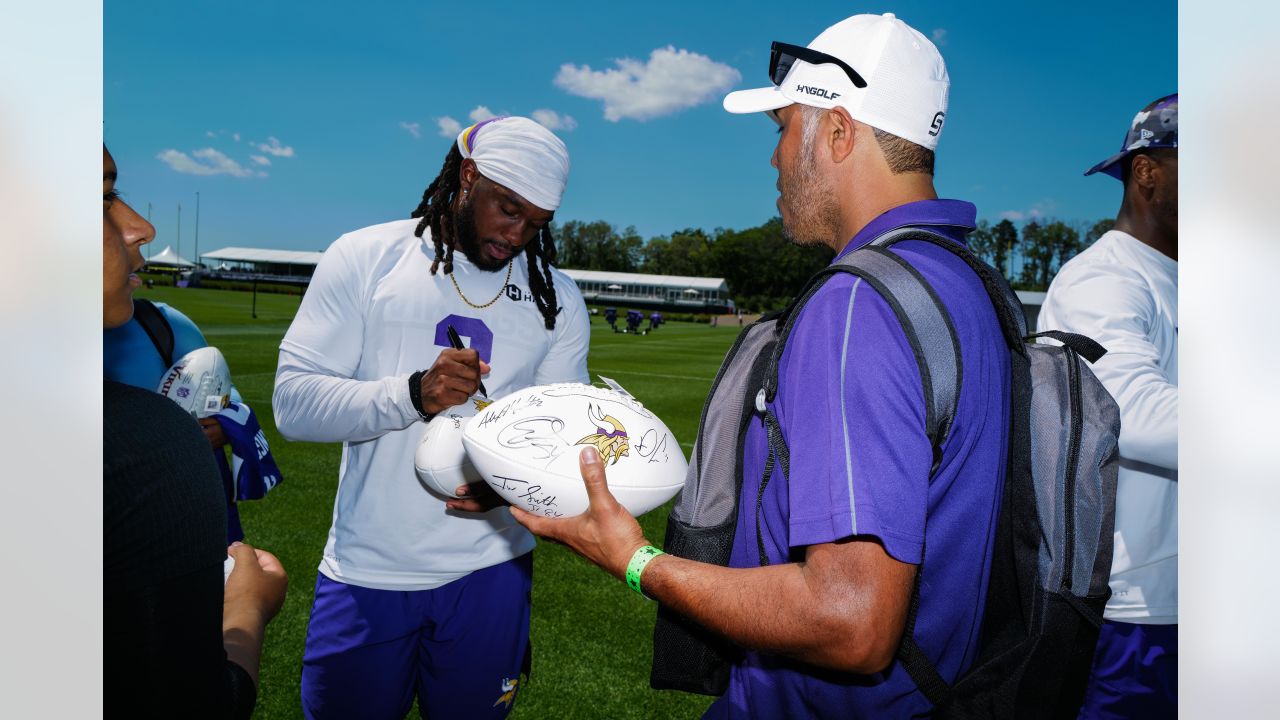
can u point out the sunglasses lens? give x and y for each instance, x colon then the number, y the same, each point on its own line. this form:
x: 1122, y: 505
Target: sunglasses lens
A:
x: 780, y: 66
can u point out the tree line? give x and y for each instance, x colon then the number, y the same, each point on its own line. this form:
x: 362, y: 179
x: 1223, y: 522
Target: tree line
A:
x: 764, y: 271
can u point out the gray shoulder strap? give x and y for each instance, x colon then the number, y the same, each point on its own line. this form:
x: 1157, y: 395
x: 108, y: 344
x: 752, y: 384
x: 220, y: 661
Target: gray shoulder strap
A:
x: 928, y: 328
x: 919, y: 311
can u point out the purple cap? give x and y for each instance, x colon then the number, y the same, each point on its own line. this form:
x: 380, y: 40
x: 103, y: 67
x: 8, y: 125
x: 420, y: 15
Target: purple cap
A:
x: 1156, y: 126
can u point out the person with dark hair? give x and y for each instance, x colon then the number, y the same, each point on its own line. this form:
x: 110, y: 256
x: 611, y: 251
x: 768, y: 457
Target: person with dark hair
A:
x: 180, y: 636
x: 824, y: 559
x: 140, y: 352
x: 419, y: 595
x: 1123, y: 292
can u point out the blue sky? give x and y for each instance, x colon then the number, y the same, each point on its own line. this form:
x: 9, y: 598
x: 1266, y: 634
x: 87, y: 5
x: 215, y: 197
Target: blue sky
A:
x: 297, y: 122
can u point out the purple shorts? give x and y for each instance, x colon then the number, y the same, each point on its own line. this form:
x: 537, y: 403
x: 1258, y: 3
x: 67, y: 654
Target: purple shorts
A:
x: 1135, y: 673
x: 459, y: 648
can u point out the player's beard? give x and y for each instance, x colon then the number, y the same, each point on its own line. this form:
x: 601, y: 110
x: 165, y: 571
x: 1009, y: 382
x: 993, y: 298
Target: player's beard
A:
x: 466, y: 240
x: 813, y: 216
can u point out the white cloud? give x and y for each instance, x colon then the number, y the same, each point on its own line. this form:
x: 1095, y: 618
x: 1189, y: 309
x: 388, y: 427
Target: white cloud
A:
x: 206, y: 161
x: 449, y: 127
x: 552, y: 120
x: 480, y: 114
x: 672, y: 80
x: 273, y: 147
x: 235, y: 136
x: 939, y: 36
x: 210, y: 133
x: 1038, y: 210
x: 260, y: 159
x: 414, y: 129
x: 1020, y: 215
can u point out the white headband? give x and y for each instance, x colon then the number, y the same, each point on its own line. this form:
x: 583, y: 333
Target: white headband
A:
x: 519, y: 154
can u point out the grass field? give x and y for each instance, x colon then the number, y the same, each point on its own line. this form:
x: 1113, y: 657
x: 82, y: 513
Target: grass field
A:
x: 591, y: 634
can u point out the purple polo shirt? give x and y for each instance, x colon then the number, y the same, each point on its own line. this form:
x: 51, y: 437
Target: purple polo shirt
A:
x: 851, y: 408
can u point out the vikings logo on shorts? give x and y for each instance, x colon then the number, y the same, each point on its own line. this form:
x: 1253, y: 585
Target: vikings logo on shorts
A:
x: 610, y: 437
x: 508, y: 692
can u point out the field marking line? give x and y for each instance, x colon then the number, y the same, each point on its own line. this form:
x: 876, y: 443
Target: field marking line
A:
x: 272, y: 373
x: 657, y: 375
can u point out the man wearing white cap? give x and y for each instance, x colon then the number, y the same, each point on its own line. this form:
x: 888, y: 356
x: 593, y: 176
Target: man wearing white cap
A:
x: 419, y: 596
x: 823, y: 560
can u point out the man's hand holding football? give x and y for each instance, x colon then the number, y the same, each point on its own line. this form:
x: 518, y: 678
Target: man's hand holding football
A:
x: 605, y: 534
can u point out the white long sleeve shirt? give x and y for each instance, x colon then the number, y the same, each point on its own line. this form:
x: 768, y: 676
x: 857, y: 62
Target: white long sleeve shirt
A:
x: 373, y: 315
x: 1124, y: 294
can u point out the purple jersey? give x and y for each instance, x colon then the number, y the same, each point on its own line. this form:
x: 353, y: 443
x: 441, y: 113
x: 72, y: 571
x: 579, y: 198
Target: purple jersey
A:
x: 851, y: 407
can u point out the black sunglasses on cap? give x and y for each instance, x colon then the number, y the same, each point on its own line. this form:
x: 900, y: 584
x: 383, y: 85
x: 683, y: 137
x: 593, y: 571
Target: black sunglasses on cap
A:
x: 783, y: 55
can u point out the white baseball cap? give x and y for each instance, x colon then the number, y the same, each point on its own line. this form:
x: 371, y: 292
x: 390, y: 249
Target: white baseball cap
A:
x: 883, y: 71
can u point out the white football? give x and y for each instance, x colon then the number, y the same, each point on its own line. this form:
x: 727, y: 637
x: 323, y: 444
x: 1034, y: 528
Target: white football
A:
x: 200, y: 382
x: 441, y: 461
x: 526, y: 447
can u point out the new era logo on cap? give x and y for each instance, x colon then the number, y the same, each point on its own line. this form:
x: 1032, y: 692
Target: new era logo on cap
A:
x: 904, y: 79
x: 1155, y: 126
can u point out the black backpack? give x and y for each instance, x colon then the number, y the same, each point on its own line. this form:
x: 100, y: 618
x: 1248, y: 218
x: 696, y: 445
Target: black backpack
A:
x: 1052, y: 559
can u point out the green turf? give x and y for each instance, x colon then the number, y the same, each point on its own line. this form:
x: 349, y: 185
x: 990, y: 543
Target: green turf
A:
x: 591, y: 634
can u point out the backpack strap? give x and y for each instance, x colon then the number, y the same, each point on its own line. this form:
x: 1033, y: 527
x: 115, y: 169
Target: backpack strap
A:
x: 919, y: 311
x: 1013, y: 321
x: 918, y: 665
x: 157, y: 327
x: 777, y: 449
x: 1086, y: 347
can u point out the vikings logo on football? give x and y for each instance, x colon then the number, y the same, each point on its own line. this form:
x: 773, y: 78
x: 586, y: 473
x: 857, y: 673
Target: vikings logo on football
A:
x: 610, y: 438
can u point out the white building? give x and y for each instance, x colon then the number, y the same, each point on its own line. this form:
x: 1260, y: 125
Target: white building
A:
x: 677, y: 292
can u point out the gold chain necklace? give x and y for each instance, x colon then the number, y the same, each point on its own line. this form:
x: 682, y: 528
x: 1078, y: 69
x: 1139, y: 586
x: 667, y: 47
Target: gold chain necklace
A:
x: 495, y: 297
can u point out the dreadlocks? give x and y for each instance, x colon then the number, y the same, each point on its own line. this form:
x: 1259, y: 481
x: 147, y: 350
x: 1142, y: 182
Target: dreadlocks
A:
x: 436, y: 205
x: 436, y: 211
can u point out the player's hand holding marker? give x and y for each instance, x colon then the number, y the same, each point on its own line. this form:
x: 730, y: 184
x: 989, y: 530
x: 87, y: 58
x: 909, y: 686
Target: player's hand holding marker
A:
x: 453, y: 377
x: 478, y: 496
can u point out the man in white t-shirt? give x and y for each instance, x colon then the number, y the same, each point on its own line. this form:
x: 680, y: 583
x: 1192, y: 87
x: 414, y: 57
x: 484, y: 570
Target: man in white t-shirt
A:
x: 420, y: 595
x: 1123, y: 292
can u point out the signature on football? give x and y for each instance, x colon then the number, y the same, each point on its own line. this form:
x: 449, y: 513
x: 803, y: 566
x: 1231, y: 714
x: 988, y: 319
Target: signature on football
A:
x: 652, y: 446
x: 539, y: 435
x: 531, y: 495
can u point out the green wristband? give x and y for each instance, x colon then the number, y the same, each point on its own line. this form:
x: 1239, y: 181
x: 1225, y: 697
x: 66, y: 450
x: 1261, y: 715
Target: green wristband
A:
x: 637, y: 565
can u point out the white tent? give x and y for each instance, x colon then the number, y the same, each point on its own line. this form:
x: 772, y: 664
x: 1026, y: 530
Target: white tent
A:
x: 169, y: 258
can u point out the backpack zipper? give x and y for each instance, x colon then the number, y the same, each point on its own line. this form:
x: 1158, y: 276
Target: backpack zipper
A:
x: 1073, y: 461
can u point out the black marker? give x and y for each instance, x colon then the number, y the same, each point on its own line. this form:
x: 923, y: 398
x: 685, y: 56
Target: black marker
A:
x: 456, y: 342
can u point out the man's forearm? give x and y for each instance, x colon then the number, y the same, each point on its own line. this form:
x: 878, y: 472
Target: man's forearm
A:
x: 314, y: 407
x: 242, y: 634
x: 807, y: 610
x: 844, y: 607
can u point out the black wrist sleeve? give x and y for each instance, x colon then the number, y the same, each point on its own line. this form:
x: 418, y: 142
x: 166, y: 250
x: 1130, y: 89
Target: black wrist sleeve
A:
x: 415, y: 394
